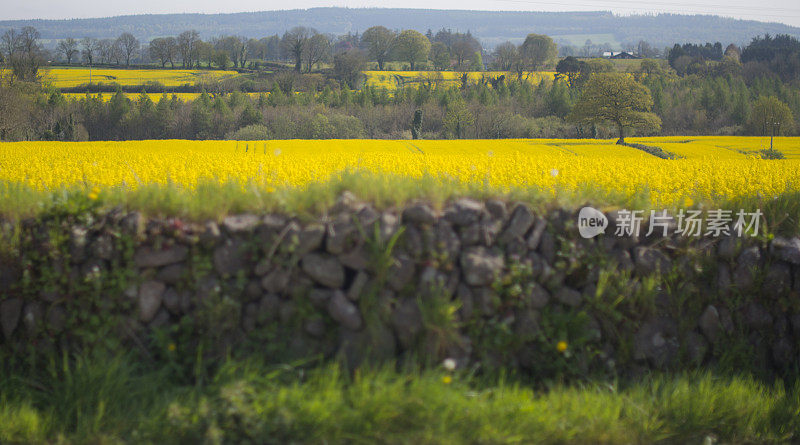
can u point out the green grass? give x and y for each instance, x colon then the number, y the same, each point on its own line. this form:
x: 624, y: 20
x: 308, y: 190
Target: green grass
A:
x: 212, y: 200
x: 106, y: 400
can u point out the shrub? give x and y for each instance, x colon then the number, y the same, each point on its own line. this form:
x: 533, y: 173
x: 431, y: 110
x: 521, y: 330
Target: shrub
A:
x: 256, y: 132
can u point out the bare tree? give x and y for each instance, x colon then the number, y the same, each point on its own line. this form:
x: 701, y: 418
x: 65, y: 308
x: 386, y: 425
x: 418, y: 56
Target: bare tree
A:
x: 129, y: 45
x: 89, y: 48
x: 22, y: 53
x: 103, y: 50
x: 164, y: 49
x: 68, y: 48
x: 505, y: 55
x: 188, y: 47
x: 294, y: 42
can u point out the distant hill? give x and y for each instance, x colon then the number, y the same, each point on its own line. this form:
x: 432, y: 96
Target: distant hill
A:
x: 490, y: 27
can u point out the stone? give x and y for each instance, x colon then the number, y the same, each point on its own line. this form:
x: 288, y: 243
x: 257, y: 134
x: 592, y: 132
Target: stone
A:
x: 521, y: 220
x: 794, y: 320
x: 150, y: 297
x: 786, y: 249
x: 648, y: 260
x: 358, y: 286
x: 749, y: 260
x: 78, y: 239
x: 253, y: 290
x: 319, y: 297
x: 346, y: 202
x: 344, y: 311
x: 406, y: 322
x: 656, y: 342
x: 211, y: 234
x: 56, y: 319
x: 10, y: 311
x: 696, y: 347
x: 484, y: 300
x: 465, y: 211
x: 538, y: 297
x: 172, y: 301
x: 160, y: 320
x: 147, y: 257
x: 268, y: 308
x: 310, y: 237
x: 324, y: 269
x: 412, y: 242
x: 103, y: 247
x: 778, y: 280
x: 375, y: 344
x: 276, y: 281
x: 230, y: 258
x: 240, y: 223
x: 400, y: 273
x: 481, y: 266
x: 357, y: 259
x: 388, y: 226
x: 367, y: 216
x: 342, y: 237
x: 32, y: 317
x: 446, y: 240
x: 464, y: 295
x: 419, y: 213
x: 314, y: 327
x: 171, y: 274
x: 547, y: 247
x: 568, y: 296
x: 782, y: 352
x: 757, y: 316
x: 536, y: 234
x: 710, y: 324
x: 526, y: 324
x: 249, y: 317
x: 133, y: 225
x: 726, y: 249
x: 497, y: 209
x: 724, y: 280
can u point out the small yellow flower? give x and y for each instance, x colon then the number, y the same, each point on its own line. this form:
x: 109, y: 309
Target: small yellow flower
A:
x: 689, y: 202
x: 561, y: 346
x: 94, y: 194
x: 447, y: 380
x: 171, y: 347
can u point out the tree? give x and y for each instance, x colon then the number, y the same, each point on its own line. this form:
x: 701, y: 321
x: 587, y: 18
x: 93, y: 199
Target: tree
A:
x: 379, y: 41
x: 88, y: 49
x: 457, y: 118
x: 571, y: 68
x: 536, y: 50
x: 464, y: 50
x: 68, y: 48
x: 440, y: 56
x: 129, y: 45
x: 22, y: 53
x: 164, y: 50
x: 770, y: 117
x: 188, y: 48
x: 317, y: 49
x: 293, y: 44
x: 412, y: 47
x: 347, y: 66
x: 505, y: 54
x: 617, y: 99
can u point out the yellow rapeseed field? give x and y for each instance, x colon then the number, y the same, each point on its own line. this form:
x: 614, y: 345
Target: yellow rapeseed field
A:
x: 548, y: 165
x: 155, y: 97
x: 73, y: 77
x: 391, y: 80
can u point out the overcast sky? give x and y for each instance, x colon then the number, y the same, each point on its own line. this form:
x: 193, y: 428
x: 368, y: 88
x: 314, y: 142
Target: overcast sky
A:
x: 784, y: 11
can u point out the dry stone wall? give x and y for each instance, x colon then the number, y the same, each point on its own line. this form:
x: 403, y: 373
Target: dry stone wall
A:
x: 488, y: 283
